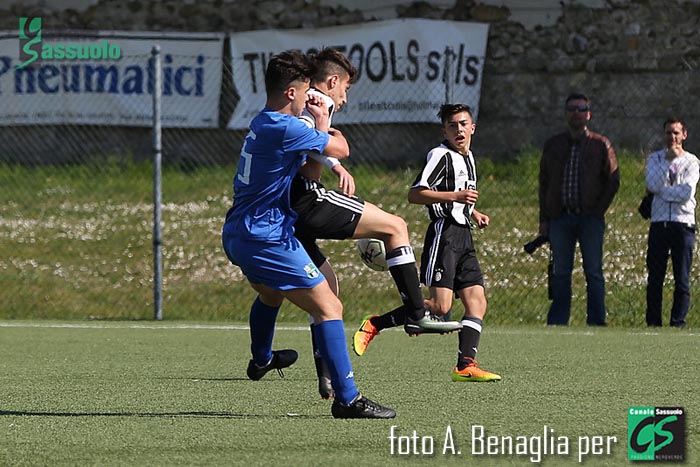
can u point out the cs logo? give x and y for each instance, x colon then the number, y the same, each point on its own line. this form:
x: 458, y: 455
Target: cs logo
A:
x: 656, y: 433
x: 29, y: 40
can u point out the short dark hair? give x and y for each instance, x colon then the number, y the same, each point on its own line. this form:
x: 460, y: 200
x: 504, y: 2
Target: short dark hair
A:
x: 674, y: 119
x: 331, y: 61
x: 575, y: 96
x: 286, y: 67
x: 448, y: 110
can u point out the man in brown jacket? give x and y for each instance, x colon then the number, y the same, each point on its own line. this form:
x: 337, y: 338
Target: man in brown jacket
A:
x: 578, y: 180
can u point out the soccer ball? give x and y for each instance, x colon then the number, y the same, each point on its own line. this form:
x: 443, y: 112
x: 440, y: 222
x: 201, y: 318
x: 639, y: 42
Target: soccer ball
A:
x: 373, y: 253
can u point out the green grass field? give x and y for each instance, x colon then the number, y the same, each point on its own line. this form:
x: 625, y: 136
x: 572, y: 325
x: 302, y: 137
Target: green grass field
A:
x: 143, y: 393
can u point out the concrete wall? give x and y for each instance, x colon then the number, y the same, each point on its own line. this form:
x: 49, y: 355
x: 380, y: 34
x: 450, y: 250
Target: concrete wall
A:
x: 637, y: 59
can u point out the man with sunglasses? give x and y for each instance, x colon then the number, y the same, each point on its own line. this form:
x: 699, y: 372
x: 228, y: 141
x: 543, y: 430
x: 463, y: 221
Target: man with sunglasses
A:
x: 578, y: 180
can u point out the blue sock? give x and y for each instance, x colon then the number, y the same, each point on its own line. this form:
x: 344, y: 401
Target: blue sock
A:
x: 262, y: 330
x: 330, y: 336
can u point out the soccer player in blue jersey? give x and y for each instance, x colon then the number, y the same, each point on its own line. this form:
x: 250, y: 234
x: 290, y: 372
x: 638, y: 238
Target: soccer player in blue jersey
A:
x: 258, y: 234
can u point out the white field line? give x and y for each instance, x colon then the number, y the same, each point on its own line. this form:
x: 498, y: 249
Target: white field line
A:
x: 243, y: 327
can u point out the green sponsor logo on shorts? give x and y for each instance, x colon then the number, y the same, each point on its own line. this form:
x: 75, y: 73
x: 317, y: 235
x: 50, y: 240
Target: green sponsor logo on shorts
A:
x: 311, y: 271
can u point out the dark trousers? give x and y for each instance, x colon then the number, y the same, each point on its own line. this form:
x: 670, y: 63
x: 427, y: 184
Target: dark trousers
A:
x: 564, y: 233
x: 678, y: 240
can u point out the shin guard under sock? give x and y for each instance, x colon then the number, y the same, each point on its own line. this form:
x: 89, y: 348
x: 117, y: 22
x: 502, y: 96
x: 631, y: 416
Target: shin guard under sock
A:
x: 402, y: 266
x: 262, y: 330
x: 330, y: 337
x: 318, y: 361
x: 468, y: 341
x: 393, y: 318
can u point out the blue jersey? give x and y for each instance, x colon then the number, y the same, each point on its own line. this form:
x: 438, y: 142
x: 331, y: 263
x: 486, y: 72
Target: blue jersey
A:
x: 271, y: 155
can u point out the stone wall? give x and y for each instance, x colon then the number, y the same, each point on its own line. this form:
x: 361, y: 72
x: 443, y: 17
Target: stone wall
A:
x: 636, y: 59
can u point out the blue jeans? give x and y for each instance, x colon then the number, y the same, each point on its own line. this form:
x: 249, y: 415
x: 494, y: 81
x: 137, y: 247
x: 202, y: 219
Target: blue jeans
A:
x: 564, y: 232
x: 679, y: 240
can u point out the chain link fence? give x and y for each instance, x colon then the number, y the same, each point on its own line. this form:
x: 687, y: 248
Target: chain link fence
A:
x: 76, y: 213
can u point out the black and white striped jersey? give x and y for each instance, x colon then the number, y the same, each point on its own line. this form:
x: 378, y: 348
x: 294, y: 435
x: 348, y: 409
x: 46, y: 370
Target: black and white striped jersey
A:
x: 448, y: 170
x: 309, y: 119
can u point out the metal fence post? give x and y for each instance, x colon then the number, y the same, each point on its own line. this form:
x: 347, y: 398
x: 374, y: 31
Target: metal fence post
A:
x: 449, y: 54
x: 157, y: 188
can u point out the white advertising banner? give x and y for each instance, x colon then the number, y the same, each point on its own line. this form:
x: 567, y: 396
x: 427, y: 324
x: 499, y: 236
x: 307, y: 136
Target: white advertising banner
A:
x: 404, y: 72
x: 106, y: 78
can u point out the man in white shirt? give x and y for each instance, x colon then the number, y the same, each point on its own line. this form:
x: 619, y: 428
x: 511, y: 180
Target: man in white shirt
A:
x: 672, y: 176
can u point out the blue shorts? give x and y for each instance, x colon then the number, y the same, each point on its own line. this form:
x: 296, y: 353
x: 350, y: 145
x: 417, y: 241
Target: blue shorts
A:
x: 280, y: 265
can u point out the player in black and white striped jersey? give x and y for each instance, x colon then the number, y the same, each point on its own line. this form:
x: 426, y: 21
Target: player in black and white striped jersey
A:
x: 447, y: 188
x: 331, y: 214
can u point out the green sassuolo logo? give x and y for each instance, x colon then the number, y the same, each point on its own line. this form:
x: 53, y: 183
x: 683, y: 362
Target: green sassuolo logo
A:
x: 31, y: 46
x: 29, y: 40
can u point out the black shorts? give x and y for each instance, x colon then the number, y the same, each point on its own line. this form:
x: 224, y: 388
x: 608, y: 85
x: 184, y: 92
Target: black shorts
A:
x: 448, y: 258
x: 322, y: 214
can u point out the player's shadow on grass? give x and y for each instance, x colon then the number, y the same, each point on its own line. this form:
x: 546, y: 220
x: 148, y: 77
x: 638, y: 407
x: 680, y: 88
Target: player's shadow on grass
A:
x: 194, y: 379
x: 203, y: 414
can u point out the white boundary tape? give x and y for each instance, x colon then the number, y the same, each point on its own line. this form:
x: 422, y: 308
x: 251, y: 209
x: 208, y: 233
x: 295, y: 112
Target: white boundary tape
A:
x: 243, y: 327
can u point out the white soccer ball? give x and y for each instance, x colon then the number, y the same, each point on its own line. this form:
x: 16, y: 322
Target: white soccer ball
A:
x: 373, y: 253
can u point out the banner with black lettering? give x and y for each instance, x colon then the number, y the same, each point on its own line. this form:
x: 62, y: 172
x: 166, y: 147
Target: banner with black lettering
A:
x: 407, y: 67
x: 106, y: 78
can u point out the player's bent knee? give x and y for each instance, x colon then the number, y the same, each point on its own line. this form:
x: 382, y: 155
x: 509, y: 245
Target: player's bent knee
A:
x: 399, y: 224
x: 396, y: 228
x: 328, y: 316
x: 331, y: 311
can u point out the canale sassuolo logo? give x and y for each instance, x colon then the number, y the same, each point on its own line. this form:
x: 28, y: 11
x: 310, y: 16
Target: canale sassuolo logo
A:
x: 32, y: 47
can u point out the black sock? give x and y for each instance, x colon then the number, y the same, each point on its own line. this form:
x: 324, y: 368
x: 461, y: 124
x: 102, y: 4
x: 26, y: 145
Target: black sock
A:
x: 468, y: 341
x: 318, y: 361
x: 393, y: 318
x: 402, y: 266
